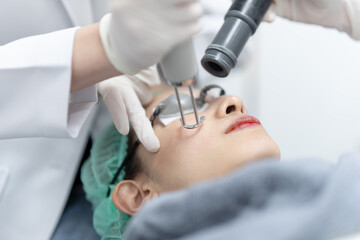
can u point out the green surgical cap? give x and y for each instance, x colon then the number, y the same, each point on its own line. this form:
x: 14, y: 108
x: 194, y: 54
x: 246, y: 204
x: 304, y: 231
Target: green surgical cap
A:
x: 107, y: 154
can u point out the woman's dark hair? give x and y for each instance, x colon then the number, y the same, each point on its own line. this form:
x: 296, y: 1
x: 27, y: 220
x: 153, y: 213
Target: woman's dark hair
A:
x: 132, y: 164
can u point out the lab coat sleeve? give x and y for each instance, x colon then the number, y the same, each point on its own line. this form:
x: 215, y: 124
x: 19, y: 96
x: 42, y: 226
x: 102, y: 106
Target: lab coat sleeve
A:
x: 35, y: 79
x: 354, y: 15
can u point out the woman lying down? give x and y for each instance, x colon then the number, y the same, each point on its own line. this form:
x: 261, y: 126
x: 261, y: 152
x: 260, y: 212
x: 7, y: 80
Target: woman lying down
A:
x: 233, y: 198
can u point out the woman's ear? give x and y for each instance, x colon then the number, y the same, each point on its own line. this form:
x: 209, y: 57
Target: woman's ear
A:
x: 128, y: 196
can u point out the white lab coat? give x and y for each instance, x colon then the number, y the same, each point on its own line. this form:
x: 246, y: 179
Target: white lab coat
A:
x: 36, y: 174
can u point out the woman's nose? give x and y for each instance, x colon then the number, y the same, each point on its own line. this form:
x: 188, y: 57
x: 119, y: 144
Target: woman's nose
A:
x: 229, y: 105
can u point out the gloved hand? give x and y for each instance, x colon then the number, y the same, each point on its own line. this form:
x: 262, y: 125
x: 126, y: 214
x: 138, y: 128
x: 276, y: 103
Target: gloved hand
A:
x: 124, y: 96
x: 340, y: 14
x: 138, y: 33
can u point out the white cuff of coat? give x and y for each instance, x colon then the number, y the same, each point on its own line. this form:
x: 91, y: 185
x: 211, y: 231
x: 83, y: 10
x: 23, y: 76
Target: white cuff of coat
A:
x: 80, y: 104
x: 35, y: 74
x: 353, y: 9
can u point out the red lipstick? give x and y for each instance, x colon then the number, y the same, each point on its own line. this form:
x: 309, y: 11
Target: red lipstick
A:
x: 243, y: 122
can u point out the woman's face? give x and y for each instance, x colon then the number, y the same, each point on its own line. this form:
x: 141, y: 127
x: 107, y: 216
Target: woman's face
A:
x: 226, y: 140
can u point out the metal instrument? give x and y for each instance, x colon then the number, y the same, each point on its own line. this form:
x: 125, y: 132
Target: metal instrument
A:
x: 168, y: 110
x: 179, y: 69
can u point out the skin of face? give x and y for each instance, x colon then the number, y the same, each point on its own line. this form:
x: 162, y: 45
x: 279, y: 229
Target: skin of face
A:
x: 190, y: 156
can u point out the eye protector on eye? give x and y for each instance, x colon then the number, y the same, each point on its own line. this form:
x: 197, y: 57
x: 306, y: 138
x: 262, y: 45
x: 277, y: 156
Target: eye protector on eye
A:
x: 167, y: 111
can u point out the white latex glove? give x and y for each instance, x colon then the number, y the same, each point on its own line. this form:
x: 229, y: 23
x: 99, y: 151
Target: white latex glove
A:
x: 138, y: 33
x: 124, y: 96
x: 343, y: 15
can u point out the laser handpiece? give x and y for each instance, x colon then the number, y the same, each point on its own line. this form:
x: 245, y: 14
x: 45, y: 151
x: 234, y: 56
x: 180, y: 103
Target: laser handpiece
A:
x: 179, y: 69
x: 241, y: 21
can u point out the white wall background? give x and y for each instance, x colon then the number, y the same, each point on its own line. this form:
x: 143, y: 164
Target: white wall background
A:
x: 301, y: 81
x: 309, y: 95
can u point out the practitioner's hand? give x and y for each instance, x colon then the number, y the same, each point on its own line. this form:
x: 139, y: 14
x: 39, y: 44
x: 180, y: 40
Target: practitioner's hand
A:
x: 124, y: 97
x: 343, y: 15
x: 138, y: 33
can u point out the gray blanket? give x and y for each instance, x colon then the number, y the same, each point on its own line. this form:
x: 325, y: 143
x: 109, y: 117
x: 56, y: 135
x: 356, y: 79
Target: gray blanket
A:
x: 307, y: 199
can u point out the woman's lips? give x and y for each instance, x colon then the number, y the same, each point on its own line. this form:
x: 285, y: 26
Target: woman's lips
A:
x: 243, y: 122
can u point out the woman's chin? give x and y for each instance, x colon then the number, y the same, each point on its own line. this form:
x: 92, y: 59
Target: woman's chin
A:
x: 265, y: 149
x: 268, y: 150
